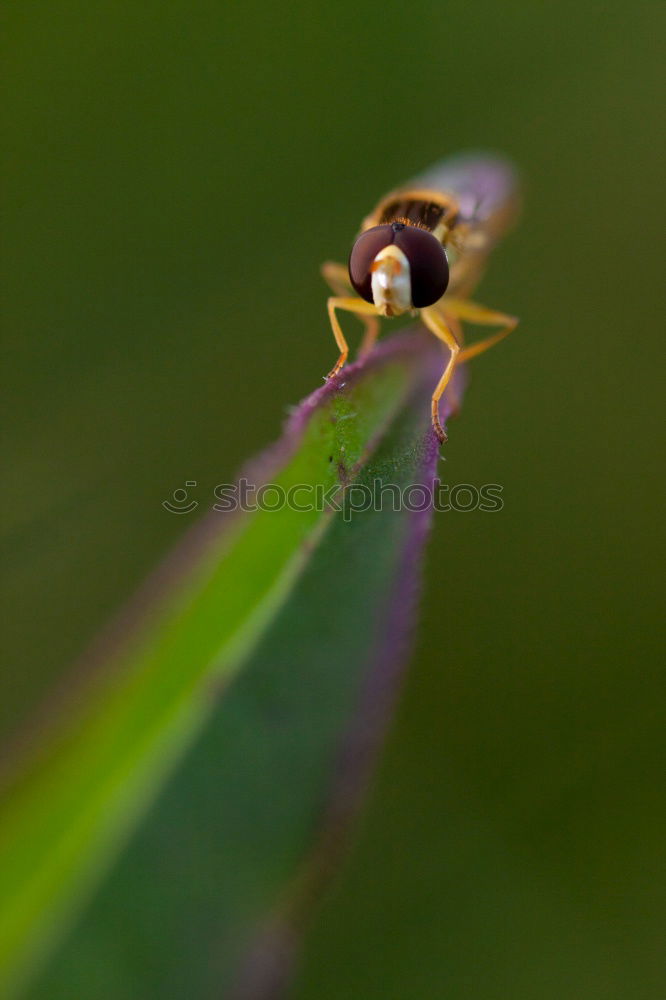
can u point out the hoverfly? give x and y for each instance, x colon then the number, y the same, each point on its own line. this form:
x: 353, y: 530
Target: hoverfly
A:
x: 423, y: 250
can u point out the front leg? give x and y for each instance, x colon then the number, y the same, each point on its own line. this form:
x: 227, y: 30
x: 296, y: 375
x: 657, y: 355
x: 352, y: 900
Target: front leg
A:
x: 438, y: 325
x: 336, y: 277
x: 350, y: 304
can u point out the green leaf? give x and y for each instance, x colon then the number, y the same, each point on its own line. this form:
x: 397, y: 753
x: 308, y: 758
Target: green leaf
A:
x: 199, y: 809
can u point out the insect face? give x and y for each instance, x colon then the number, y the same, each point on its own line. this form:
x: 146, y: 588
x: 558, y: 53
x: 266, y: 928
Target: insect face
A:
x: 398, y: 267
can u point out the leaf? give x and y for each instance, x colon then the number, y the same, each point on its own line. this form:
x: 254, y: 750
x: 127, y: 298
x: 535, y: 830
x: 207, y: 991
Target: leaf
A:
x: 200, y: 809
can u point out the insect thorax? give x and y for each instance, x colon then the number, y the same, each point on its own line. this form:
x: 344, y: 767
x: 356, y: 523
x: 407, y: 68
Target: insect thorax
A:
x: 438, y: 216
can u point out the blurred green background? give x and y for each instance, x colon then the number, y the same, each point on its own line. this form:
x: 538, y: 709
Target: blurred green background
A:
x: 175, y: 174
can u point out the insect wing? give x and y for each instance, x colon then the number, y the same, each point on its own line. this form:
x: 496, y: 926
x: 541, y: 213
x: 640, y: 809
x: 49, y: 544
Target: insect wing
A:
x: 485, y: 187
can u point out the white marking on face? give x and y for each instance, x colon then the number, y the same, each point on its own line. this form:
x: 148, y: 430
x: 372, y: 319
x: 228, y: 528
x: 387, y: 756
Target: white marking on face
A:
x: 391, y: 282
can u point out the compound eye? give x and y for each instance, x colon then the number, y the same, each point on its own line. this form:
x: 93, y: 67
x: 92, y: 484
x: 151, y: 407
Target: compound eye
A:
x: 429, y: 268
x: 362, y: 255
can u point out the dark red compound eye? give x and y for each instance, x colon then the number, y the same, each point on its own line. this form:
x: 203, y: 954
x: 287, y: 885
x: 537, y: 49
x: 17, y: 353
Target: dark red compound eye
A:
x: 363, y: 253
x: 429, y: 268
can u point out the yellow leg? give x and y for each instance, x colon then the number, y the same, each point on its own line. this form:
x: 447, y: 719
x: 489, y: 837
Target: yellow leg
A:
x: 463, y: 309
x: 438, y: 325
x: 337, y: 277
x: 353, y: 305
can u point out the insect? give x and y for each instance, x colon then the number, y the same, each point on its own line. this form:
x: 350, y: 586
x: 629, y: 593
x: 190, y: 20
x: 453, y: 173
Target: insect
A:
x: 423, y: 250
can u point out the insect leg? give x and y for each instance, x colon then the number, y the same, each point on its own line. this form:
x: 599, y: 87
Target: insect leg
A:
x: 353, y: 305
x: 463, y: 309
x: 438, y: 325
x: 337, y: 277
